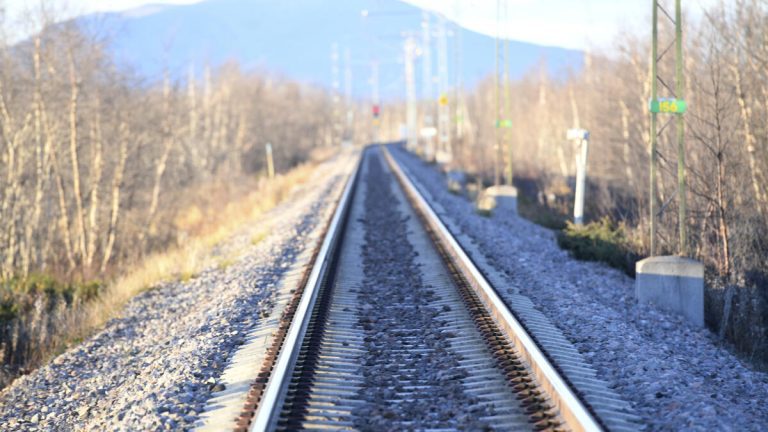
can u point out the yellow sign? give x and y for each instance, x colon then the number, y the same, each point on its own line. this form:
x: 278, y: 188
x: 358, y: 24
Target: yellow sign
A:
x: 443, y: 100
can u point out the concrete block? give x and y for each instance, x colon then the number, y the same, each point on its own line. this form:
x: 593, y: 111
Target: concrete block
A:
x: 504, y: 198
x: 672, y: 283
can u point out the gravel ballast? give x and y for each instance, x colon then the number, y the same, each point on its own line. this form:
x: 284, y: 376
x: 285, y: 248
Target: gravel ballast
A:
x: 406, y: 346
x: 677, y: 377
x: 155, y: 366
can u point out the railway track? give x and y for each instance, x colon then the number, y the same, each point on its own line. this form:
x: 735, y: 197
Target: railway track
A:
x: 393, y: 327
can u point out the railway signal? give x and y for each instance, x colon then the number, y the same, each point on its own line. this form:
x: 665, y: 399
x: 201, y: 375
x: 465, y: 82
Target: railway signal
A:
x: 376, y: 113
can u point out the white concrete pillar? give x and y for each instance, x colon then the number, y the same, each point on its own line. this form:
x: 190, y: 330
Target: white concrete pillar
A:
x: 581, y: 182
x: 673, y: 283
x: 581, y: 138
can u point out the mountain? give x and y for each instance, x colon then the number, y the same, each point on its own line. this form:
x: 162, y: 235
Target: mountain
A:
x: 294, y: 38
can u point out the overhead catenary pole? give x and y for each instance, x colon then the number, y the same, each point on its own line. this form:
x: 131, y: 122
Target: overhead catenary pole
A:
x: 460, y: 116
x: 507, y: 102
x: 679, y: 89
x: 375, y: 98
x: 675, y: 106
x: 459, y: 88
x: 497, y: 124
x: 336, y: 99
x: 444, y: 121
x: 350, y: 114
x: 426, y: 82
x: 410, y: 89
x: 653, y: 134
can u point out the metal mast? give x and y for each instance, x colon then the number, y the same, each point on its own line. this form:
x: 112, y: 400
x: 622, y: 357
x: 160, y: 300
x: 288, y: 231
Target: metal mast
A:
x: 675, y: 105
x: 375, y: 98
x: 426, y: 78
x: 497, y: 124
x: 410, y: 89
x: 679, y: 89
x: 444, y: 120
x: 350, y: 114
x: 507, y: 123
x: 347, y: 76
x: 335, y: 96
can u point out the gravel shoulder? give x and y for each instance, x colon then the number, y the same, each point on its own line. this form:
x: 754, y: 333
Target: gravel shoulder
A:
x: 677, y: 377
x: 154, y: 367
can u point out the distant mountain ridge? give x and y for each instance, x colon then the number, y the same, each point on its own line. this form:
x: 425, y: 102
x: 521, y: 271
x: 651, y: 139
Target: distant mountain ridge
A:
x: 293, y: 38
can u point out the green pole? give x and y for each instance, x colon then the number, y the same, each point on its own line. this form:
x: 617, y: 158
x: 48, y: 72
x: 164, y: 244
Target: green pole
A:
x: 497, y: 146
x: 508, y: 113
x: 679, y: 89
x: 654, y: 97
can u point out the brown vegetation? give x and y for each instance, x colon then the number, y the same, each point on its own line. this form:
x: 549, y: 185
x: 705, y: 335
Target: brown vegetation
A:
x: 94, y: 165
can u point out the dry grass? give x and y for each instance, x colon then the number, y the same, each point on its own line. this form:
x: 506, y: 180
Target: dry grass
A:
x: 203, y: 225
x: 205, y: 230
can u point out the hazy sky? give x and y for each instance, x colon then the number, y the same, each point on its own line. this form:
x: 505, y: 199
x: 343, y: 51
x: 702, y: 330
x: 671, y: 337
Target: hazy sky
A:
x: 566, y: 23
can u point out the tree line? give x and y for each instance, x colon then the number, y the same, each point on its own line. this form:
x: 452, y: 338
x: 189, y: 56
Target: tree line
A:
x: 726, y: 59
x: 726, y: 87
x: 96, y: 161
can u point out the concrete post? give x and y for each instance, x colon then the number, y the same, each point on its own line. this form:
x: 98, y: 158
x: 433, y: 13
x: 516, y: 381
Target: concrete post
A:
x: 581, y: 137
x: 270, y: 162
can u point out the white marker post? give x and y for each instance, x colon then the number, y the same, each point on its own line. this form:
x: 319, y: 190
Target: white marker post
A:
x: 429, y: 133
x: 270, y: 162
x: 581, y: 138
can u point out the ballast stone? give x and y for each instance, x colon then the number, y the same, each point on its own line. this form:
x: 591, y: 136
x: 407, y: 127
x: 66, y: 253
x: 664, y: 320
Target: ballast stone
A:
x: 673, y: 283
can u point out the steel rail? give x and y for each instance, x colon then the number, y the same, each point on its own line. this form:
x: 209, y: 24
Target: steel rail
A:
x: 572, y: 410
x: 268, y: 409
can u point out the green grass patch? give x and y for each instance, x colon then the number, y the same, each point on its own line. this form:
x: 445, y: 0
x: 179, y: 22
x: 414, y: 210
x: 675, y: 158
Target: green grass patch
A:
x: 226, y: 263
x: 539, y: 214
x: 18, y: 294
x: 9, y: 308
x: 187, y: 276
x: 44, y: 284
x: 258, y: 238
x: 484, y: 212
x: 603, y: 241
